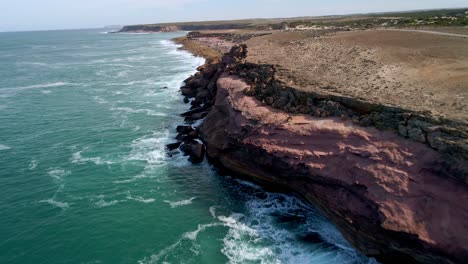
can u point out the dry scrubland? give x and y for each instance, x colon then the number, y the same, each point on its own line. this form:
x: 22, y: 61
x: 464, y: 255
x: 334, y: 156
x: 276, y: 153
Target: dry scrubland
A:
x: 412, y: 70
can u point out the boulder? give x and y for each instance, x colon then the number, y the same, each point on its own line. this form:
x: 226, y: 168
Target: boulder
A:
x: 195, y: 117
x: 184, y: 129
x: 173, y: 146
x: 195, y: 151
x: 187, y: 91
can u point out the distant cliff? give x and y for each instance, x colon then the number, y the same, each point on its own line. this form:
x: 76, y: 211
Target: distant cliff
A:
x: 180, y: 27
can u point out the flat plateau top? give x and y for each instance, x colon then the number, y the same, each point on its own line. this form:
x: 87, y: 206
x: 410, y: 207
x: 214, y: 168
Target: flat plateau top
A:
x: 413, y: 70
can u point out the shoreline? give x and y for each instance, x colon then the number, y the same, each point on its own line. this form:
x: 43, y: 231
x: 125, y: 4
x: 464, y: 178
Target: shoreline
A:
x: 234, y: 139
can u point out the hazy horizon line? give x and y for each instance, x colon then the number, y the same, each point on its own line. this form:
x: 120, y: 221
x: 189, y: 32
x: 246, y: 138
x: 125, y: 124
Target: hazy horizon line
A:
x: 237, y: 19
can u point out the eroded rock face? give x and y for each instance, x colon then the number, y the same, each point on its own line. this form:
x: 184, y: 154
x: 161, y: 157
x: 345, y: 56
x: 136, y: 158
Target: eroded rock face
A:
x: 391, y: 197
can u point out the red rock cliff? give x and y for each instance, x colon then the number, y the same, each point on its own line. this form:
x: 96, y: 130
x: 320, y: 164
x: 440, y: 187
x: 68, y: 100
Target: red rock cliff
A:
x: 389, y: 196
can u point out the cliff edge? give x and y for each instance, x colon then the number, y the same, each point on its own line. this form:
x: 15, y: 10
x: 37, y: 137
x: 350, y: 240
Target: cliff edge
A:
x: 393, y: 197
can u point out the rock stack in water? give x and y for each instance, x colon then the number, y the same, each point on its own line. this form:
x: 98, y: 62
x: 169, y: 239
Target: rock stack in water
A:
x: 200, y: 91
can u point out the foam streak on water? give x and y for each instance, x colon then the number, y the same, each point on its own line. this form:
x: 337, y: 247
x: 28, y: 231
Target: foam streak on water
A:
x: 84, y: 174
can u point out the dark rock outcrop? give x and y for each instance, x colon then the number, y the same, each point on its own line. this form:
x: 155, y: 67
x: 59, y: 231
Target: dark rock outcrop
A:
x: 195, y: 150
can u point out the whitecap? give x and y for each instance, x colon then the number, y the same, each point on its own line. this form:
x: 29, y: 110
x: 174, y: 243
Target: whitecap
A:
x: 40, y: 64
x: 58, y: 173
x: 9, y: 91
x: 180, y: 203
x: 121, y: 65
x: 134, y: 178
x: 140, y: 199
x: 45, y: 91
x: 155, y: 258
x: 150, y: 148
x: 33, y: 164
x: 99, y: 100
x: 61, y: 205
x: 190, y: 236
x: 102, y: 203
x: 78, y: 159
x: 122, y: 74
x: 212, y: 211
x: 145, y: 82
x: 194, y: 234
x: 4, y: 147
x: 130, y: 110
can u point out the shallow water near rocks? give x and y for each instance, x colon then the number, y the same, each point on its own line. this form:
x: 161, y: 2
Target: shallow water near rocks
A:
x: 84, y: 119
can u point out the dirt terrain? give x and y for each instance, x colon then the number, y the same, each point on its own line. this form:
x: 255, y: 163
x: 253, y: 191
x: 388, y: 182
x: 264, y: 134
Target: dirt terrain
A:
x: 412, y: 70
x: 297, y: 110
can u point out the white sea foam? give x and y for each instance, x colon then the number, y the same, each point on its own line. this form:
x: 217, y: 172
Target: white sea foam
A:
x: 4, y: 147
x: 61, y: 205
x: 180, y: 203
x: 121, y: 65
x: 140, y: 199
x: 101, y: 203
x: 135, y: 178
x: 150, y: 148
x: 78, y: 159
x: 144, y: 83
x: 212, y: 211
x: 156, y: 258
x: 100, y: 100
x: 10, y: 91
x: 175, y: 51
x: 33, y: 164
x: 58, y: 173
x: 255, y: 238
x: 130, y: 110
x: 182, y: 242
x: 194, y: 234
x: 122, y: 74
x: 40, y: 64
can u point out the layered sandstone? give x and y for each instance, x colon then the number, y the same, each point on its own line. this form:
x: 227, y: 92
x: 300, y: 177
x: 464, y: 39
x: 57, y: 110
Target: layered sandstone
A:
x: 393, y: 198
x: 389, y: 196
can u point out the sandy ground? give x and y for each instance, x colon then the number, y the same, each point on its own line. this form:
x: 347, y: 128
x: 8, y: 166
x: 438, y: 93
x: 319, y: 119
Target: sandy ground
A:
x: 412, y: 70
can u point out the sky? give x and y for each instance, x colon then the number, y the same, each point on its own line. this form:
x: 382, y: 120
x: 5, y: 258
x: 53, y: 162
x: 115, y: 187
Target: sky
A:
x: 19, y: 15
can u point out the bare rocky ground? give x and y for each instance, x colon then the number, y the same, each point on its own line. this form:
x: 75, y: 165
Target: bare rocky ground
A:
x: 296, y: 110
x: 411, y: 70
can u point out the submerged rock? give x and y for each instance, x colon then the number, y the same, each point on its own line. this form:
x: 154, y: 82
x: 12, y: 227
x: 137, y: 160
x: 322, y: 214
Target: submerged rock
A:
x: 173, y: 146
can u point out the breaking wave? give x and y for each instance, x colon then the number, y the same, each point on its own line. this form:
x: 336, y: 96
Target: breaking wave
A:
x: 4, y: 147
x: 180, y: 203
x: 61, y: 205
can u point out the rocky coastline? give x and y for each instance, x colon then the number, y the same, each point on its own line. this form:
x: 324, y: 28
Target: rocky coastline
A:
x: 386, y: 177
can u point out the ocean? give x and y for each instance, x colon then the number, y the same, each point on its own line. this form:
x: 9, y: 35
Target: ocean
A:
x: 84, y: 175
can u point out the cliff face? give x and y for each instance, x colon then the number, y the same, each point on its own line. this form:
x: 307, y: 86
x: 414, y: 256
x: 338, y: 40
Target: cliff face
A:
x: 395, y: 199
x: 389, y: 196
x: 147, y: 28
x: 180, y: 27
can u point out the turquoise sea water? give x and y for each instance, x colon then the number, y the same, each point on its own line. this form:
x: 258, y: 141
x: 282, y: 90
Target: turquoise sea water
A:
x: 84, y: 178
